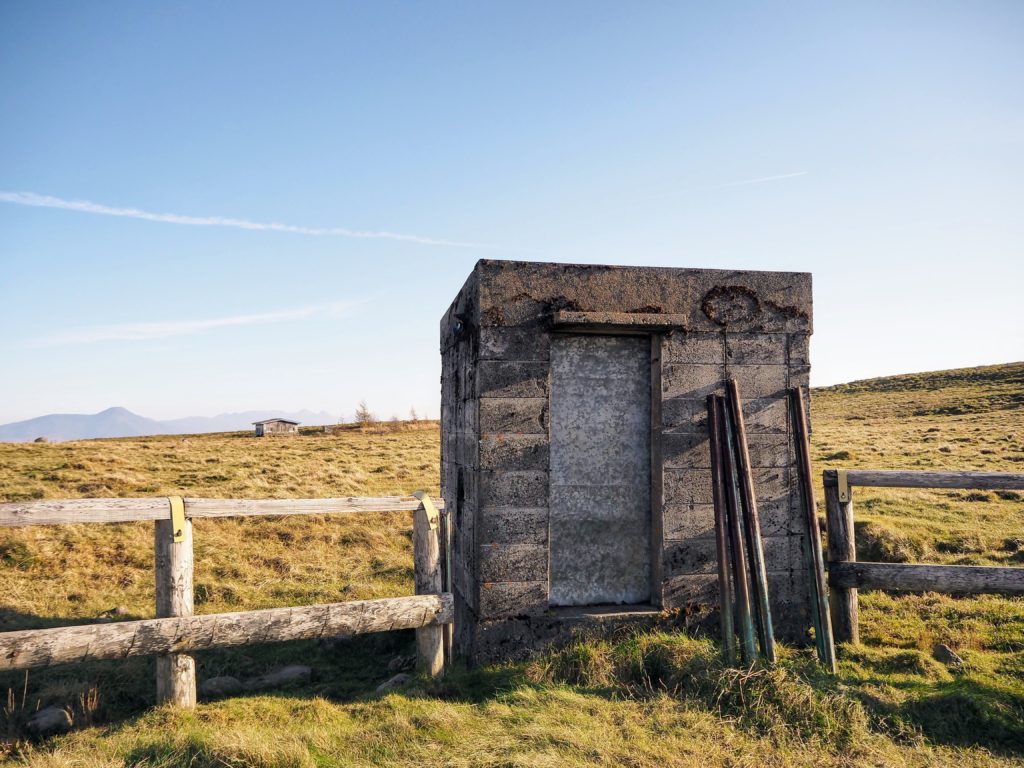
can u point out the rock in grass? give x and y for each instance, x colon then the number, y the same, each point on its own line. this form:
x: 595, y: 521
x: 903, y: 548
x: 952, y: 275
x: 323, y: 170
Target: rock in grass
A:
x: 295, y: 674
x: 216, y: 687
x: 401, y: 662
x: 117, y: 612
x: 395, y: 682
x: 947, y: 656
x: 49, y: 721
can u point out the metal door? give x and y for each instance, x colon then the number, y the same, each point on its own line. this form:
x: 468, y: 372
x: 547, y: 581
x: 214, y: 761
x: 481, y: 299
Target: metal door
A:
x: 600, y: 492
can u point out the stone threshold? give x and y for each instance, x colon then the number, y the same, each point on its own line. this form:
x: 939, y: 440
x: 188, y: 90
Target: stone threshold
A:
x: 605, y: 612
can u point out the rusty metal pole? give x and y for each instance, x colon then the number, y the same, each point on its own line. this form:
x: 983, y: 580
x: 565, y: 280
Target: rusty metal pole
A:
x: 751, y: 522
x: 725, y: 598
x: 816, y: 563
x: 741, y: 578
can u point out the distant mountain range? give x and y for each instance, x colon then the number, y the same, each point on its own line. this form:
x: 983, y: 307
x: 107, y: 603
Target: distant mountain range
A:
x: 120, y: 422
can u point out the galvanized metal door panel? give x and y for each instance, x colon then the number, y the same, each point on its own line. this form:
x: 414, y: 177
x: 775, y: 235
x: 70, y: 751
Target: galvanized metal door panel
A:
x: 600, y: 492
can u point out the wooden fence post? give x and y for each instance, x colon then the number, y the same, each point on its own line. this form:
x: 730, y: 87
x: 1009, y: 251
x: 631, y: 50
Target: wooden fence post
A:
x: 427, y: 561
x: 842, y: 548
x: 175, y: 672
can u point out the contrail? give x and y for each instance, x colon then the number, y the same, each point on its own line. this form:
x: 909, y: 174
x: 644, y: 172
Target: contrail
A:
x: 761, y: 179
x: 85, y: 206
x: 162, y: 330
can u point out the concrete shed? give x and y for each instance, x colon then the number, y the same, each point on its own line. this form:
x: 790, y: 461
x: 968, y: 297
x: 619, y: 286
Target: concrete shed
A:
x: 575, y: 451
x: 276, y: 427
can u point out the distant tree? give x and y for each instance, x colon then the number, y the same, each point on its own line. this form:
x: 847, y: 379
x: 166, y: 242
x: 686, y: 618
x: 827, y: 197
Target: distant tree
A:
x: 412, y: 415
x: 364, y: 416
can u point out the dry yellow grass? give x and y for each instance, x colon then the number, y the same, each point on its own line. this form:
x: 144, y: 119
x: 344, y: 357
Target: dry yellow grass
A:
x: 953, y: 420
x: 80, y: 572
x: 892, y: 704
x: 232, y: 465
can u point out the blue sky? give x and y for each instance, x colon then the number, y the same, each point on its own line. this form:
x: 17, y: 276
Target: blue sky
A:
x: 879, y: 145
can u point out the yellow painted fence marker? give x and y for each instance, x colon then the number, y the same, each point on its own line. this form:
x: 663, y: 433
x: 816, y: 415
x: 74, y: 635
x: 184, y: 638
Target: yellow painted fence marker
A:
x: 177, y: 518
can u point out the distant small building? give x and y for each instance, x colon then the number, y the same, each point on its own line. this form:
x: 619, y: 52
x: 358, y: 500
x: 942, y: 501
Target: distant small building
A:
x: 276, y: 427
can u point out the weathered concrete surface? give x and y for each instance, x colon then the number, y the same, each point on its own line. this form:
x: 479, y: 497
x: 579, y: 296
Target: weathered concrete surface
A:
x: 521, y: 293
x: 600, y: 482
x: 500, y: 460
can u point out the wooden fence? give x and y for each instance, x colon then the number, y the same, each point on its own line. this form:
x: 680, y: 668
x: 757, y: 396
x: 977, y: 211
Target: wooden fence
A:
x: 176, y: 632
x: 846, y: 575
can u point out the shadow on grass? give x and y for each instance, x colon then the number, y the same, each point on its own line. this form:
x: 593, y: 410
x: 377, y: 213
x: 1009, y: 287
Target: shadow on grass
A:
x: 963, y: 713
x: 956, y: 709
x: 193, y: 753
x: 952, y: 710
x: 13, y: 621
x: 115, y: 692
x: 970, y: 714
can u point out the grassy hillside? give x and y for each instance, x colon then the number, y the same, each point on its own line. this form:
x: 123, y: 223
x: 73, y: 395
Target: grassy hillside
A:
x: 970, y: 419
x: 80, y: 572
x: 655, y: 699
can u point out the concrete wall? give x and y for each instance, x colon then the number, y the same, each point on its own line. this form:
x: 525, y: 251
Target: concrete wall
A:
x: 704, y: 326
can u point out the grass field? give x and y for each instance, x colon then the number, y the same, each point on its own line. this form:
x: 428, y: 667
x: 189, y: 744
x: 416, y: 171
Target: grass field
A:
x: 647, y: 700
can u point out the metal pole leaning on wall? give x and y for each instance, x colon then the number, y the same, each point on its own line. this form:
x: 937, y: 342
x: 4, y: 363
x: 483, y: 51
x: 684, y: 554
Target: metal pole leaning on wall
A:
x: 725, y: 598
x: 741, y: 579
x: 842, y: 548
x: 816, y: 565
x: 751, y: 522
x: 427, y: 562
x: 175, y: 672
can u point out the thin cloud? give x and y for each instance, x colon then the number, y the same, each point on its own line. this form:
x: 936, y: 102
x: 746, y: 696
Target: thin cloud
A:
x: 162, y: 330
x: 85, y: 206
x: 761, y: 179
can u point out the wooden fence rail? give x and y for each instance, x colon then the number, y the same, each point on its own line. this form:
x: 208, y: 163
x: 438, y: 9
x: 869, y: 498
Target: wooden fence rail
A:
x: 898, y: 478
x: 69, y: 511
x: 963, y: 579
x: 180, y: 635
x: 177, y: 632
x: 846, y: 575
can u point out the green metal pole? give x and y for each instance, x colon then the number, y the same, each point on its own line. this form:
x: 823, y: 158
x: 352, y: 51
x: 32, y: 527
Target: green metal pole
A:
x: 725, y: 597
x: 751, y: 523
x: 748, y: 645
